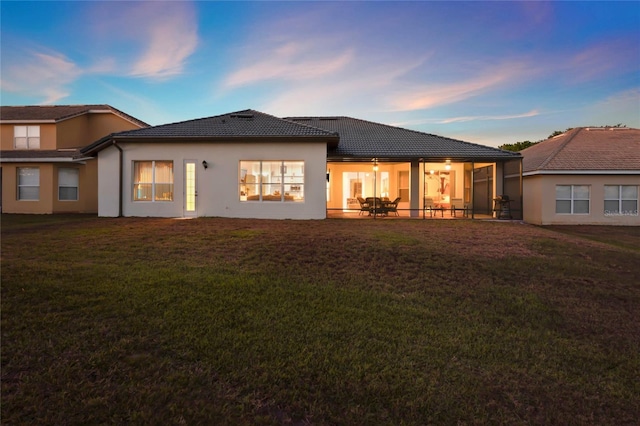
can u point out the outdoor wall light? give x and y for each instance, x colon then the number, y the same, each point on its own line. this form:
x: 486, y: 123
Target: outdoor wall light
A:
x: 447, y: 166
x: 205, y: 164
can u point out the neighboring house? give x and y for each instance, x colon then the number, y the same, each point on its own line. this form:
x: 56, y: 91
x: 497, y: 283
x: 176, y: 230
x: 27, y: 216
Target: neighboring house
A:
x: 248, y: 164
x: 586, y: 176
x: 42, y: 168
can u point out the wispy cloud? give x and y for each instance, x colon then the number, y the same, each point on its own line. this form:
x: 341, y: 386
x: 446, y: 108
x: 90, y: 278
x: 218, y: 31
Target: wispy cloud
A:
x: 350, y: 91
x: 169, y: 35
x: 42, y: 75
x: 437, y: 94
x: 462, y: 119
x: 608, y: 57
x: 164, y: 35
x: 291, y: 60
x: 531, y: 113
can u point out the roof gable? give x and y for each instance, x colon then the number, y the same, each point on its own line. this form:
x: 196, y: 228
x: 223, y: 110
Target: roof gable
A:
x: 246, y: 123
x: 361, y: 139
x: 586, y: 148
x: 57, y: 113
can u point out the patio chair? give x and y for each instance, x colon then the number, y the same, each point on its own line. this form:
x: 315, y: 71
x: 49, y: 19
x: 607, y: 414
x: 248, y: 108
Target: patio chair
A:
x: 365, y: 206
x: 376, y: 206
x: 392, y: 206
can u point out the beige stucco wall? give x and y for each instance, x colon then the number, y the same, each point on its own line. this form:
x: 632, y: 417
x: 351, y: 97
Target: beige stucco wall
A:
x: 85, y: 129
x: 75, y: 132
x: 540, y: 200
x: 47, y: 135
x: 218, y: 185
x: 87, y: 191
x: 10, y: 202
x: 48, y: 203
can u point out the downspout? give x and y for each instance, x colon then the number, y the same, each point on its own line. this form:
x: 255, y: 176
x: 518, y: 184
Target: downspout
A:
x: 521, y: 192
x: 473, y: 189
x: 120, y: 181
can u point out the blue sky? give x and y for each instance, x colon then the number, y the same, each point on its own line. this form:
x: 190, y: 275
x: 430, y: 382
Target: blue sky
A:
x: 484, y: 72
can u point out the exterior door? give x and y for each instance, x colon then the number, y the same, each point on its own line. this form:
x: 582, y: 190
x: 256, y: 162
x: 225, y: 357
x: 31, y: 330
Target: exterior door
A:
x: 190, y: 189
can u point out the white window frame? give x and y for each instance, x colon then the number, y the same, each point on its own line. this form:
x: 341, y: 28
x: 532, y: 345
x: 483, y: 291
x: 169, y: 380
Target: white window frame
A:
x: 573, y: 198
x: 155, y: 196
x: 73, y: 183
x: 620, y: 198
x: 30, y: 134
x: 286, y: 180
x: 22, y: 185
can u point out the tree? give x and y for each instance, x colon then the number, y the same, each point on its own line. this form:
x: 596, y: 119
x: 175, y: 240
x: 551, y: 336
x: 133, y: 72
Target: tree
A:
x: 518, y: 146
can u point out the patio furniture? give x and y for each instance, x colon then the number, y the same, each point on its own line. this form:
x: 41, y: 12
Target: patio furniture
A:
x: 391, y: 206
x: 365, y: 206
x: 376, y: 206
x: 502, y: 207
x: 433, y: 208
x: 458, y: 205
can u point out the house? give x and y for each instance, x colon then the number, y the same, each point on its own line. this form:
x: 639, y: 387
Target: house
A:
x: 249, y: 164
x: 586, y: 176
x: 43, y: 170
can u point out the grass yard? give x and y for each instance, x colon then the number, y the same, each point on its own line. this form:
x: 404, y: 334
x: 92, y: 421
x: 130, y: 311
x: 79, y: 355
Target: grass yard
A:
x: 335, y: 322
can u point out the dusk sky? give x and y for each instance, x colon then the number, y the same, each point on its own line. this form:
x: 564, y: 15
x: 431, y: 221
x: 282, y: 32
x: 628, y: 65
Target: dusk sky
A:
x: 483, y: 72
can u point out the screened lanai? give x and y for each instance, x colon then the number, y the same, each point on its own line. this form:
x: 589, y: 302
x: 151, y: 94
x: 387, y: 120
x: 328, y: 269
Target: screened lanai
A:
x: 433, y: 176
x: 431, y: 190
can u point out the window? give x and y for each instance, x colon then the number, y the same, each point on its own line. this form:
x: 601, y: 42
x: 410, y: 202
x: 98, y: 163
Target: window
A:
x: 67, y: 184
x: 271, y: 181
x: 28, y: 183
x: 26, y: 137
x: 572, y: 199
x: 620, y: 200
x: 153, y: 181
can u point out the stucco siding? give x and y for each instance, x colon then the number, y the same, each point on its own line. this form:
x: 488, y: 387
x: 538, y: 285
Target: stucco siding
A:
x: 540, y: 200
x: 218, y: 185
x: 108, y: 183
x: 10, y: 202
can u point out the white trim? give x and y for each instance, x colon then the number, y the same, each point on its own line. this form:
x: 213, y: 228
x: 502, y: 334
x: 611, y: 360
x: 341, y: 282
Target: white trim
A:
x: 582, y: 172
x: 26, y: 121
x: 43, y: 160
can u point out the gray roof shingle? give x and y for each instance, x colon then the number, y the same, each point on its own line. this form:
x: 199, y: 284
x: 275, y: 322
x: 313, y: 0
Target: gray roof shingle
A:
x: 347, y: 138
x: 361, y: 139
x: 236, y: 125
x: 247, y: 123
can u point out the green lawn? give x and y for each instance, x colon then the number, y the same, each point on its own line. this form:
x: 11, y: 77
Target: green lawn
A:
x: 355, y: 322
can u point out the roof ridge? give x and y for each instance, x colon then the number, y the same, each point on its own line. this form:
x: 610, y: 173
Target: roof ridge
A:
x: 202, y: 118
x: 79, y: 110
x: 290, y: 120
x: 397, y: 127
x: 247, y: 111
x: 561, y: 147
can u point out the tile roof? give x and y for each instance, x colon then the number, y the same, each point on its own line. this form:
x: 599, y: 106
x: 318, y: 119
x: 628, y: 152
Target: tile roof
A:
x: 586, y: 148
x: 361, y: 139
x: 241, y: 124
x: 347, y: 138
x: 245, y: 123
x: 55, y: 113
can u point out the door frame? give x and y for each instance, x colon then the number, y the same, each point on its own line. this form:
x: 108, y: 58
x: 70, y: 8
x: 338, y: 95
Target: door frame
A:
x: 186, y: 208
